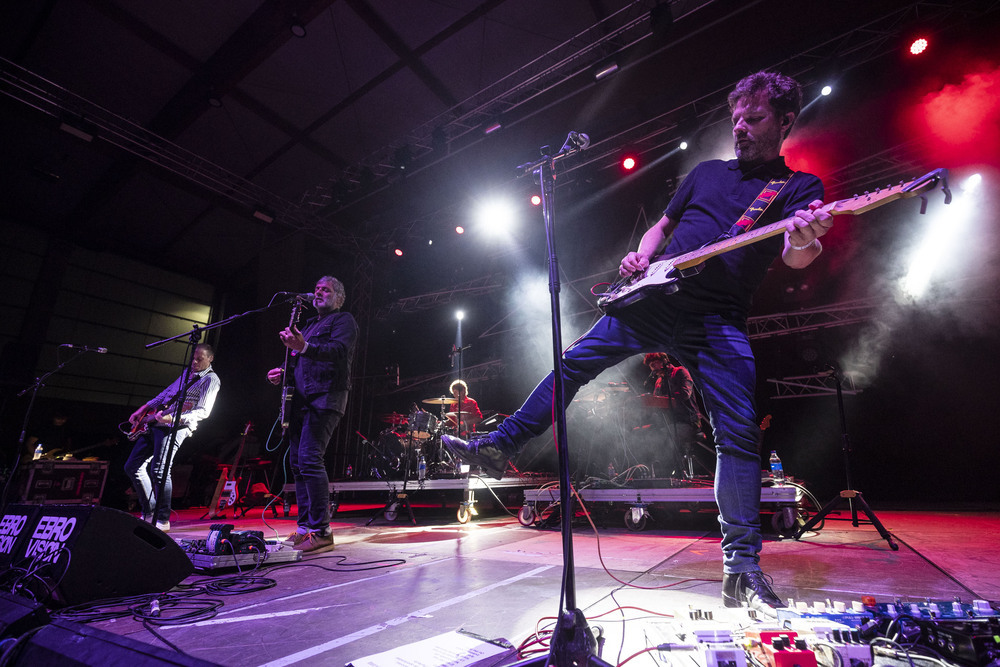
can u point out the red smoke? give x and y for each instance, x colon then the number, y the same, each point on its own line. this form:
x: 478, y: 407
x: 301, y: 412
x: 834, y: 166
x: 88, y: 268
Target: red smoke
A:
x: 960, y: 123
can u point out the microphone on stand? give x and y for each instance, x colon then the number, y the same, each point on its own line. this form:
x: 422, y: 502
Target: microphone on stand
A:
x: 84, y: 348
x: 305, y: 296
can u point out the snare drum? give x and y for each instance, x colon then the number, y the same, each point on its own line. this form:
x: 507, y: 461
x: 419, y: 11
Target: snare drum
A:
x: 423, y: 425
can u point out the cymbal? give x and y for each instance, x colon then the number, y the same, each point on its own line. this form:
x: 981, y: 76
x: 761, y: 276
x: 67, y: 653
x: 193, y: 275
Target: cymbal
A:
x: 439, y: 401
x: 394, y: 418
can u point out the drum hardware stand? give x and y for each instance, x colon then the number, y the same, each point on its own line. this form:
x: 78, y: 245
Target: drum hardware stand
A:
x: 853, y: 497
x: 400, y: 498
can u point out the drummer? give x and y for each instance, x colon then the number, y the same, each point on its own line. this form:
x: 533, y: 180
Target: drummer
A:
x: 464, y: 406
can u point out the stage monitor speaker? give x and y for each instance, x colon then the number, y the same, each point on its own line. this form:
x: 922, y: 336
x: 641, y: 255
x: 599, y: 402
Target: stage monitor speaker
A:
x: 18, y: 615
x: 87, y: 552
x: 70, y: 644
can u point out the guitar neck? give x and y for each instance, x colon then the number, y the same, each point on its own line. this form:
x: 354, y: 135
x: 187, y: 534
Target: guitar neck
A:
x: 852, y: 206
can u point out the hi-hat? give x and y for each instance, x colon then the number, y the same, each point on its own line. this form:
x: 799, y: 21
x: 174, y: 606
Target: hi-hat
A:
x: 439, y: 401
x: 394, y: 418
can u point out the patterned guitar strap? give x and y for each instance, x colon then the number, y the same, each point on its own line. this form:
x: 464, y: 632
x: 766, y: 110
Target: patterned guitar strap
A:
x: 760, y: 204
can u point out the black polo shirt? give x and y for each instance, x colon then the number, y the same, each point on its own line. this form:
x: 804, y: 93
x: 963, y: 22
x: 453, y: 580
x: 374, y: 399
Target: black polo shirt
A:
x: 713, y: 197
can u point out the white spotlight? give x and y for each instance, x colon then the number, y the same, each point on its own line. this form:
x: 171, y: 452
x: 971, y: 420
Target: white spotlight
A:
x: 459, y: 315
x: 972, y: 182
x: 496, y: 216
x: 684, y: 145
x: 826, y: 90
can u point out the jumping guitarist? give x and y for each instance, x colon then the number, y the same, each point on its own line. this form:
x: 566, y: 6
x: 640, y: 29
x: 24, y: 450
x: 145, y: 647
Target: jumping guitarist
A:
x: 703, y: 324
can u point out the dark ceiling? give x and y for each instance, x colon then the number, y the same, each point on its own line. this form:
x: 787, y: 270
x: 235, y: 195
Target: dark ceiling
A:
x: 135, y: 127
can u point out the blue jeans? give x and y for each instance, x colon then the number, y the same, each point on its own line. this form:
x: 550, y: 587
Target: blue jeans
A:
x: 145, y: 468
x: 311, y: 431
x: 716, y: 351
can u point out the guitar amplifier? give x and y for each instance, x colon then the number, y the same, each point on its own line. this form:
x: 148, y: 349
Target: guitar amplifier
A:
x: 66, y: 482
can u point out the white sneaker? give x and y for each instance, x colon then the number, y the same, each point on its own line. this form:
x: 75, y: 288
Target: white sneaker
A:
x: 163, y: 525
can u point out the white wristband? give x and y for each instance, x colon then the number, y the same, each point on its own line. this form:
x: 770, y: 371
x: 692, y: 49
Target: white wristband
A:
x: 803, y: 247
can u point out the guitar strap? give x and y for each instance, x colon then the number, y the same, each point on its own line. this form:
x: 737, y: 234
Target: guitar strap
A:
x: 760, y: 204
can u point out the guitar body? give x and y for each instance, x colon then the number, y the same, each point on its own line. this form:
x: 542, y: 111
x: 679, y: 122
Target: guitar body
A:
x: 661, y: 276
x: 227, y: 488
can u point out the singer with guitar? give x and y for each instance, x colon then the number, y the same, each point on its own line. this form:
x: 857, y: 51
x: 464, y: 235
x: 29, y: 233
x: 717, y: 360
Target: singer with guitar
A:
x: 152, y: 426
x: 703, y: 324
x: 319, y: 366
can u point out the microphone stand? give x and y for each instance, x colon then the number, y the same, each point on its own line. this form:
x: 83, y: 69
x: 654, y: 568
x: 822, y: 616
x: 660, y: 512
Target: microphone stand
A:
x: 573, y: 642
x: 35, y: 387
x: 855, y: 501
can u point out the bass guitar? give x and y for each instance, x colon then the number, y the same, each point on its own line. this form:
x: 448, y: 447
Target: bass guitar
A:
x: 662, y: 275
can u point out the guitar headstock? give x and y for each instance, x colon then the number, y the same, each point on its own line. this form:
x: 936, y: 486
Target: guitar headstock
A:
x: 917, y: 187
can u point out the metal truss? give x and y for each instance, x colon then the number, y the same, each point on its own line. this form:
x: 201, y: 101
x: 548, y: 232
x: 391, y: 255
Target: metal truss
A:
x: 812, y: 319
x: 799, y: 386
x: 413, y: 304
x: 471, y: 374
x: 89, y: 121
x: 622, y: 29
x: 862, y: 44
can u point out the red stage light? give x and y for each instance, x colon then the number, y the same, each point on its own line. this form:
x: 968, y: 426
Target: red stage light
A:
x: 398, y: 252
x: 536, y: 200
x: 918, y: 46
x: 628, y: 163
x: 459, y: 229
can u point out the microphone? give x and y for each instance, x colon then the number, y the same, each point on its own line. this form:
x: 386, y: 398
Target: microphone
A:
x: 84, y: 348
x: 306, y: 296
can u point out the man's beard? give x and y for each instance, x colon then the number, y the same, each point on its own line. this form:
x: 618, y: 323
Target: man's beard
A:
x: 758, y: 149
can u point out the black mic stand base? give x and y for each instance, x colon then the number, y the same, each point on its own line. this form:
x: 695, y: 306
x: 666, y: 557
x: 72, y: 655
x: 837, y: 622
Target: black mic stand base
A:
x: 573, y: 644
x: 855, y: 501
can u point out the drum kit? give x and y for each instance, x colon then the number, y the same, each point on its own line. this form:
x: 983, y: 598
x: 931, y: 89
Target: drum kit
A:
x: 410, y: 436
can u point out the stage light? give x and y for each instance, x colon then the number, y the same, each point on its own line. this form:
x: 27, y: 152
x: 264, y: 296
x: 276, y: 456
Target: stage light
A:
x: 826, y: 90
x: 918, y: 46
x: 683, y: 145
x: 605, y: 70
x: 459, y: 315
x: 430, y: 241
x: 536, y: 200
x: 945, y: 229
x: 496, y: 216
x: 492, y: 127
x: 398, y: 252
x: 459, y: 229
x: 629, y: 163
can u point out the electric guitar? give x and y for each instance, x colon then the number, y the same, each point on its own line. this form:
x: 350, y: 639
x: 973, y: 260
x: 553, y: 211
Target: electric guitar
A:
x: 663, y: 275
x: 227, y: 488
x: 147, y: 420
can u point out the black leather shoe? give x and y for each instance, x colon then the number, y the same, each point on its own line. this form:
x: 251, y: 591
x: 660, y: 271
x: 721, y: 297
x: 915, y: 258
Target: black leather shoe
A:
x: 751, y: 589
x: 480, y: 451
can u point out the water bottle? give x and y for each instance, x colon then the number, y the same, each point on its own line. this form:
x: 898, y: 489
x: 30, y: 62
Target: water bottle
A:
x: 777, y: 470
x: 421, y: 468
x: 39, y: 450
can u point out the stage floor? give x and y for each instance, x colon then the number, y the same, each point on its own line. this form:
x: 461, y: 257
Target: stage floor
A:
x: 390, y: 584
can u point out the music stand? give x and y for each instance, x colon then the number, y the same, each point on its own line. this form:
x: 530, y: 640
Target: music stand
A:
x: 853, y: 497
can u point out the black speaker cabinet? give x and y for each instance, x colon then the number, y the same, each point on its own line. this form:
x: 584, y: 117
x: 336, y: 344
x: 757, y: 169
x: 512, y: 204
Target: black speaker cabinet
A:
x: 88, y: 552
x: 70, y: 644
x: 18, y: 615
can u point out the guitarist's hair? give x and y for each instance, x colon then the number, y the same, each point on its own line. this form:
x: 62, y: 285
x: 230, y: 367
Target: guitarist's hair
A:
x: 783, y: 92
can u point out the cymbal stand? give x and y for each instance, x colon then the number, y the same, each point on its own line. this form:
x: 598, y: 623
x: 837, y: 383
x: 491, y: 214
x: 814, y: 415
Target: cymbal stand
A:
x: 853, y: 497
